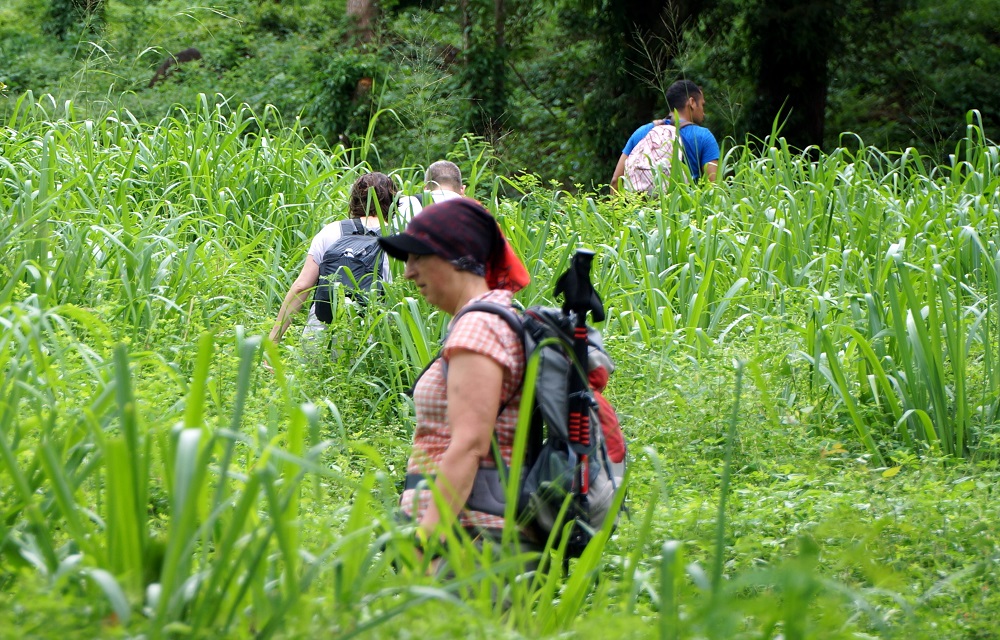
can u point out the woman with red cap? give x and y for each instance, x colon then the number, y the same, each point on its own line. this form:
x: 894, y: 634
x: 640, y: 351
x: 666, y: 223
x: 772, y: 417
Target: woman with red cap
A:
x: 456, y: 255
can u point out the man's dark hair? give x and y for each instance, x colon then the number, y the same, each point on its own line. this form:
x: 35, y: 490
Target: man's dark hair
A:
x: 679, y: 92
x: 382, y: 190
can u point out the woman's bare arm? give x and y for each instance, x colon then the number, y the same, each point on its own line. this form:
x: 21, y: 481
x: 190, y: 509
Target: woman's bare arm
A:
x: 475, y: 382
x: 295, y: 298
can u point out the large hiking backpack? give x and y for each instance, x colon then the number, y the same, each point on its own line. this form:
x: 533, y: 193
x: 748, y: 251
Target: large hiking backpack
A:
x: 552, y: 461
x: 654, y: 155
x: 352, y: 261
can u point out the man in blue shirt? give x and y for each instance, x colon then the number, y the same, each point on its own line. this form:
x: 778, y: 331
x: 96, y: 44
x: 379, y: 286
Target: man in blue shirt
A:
x: 701, y: 150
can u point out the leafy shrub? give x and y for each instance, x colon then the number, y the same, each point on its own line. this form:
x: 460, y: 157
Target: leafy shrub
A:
x: 339, y: 106
x: 65, y: 16
x: 277, y: 19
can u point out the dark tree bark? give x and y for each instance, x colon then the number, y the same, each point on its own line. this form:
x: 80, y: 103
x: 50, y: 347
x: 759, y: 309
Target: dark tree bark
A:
x: 498, y: 88
x: 484, y: 57
x: 363, y: 12
x: 793, y: 42
x: 500, y: 27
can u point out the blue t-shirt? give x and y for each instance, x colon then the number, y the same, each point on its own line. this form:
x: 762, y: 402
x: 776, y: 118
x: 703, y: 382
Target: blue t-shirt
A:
x: 700, y: 146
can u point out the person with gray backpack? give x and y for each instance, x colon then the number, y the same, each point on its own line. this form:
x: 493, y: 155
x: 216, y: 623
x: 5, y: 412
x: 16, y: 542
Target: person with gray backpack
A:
x: 344, y: 252
x: 575, y: 452
x: 462, y: 474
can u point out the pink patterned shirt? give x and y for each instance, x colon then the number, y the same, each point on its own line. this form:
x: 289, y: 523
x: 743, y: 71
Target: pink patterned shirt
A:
x: 483, y: 333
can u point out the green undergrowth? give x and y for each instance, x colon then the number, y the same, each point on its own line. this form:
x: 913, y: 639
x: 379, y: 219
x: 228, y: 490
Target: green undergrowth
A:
x: 807, y: 375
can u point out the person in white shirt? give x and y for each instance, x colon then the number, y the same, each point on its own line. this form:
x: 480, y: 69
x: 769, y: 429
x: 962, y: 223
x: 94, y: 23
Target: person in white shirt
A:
x: 370, y: 201
x: 442, y: 181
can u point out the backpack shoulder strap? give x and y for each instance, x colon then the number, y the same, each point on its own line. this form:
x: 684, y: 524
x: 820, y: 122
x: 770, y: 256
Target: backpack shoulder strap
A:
x: 350, y: 226
x: 505, y: 312
x: 353, y: 227
x: 513, y: 321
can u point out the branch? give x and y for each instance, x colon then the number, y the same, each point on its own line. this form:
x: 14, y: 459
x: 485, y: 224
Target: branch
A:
x: 531, y: 91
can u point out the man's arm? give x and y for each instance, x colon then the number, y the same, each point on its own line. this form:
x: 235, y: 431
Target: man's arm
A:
x: 710, y: 170
x: 708, y: 153
x: 619, y: 172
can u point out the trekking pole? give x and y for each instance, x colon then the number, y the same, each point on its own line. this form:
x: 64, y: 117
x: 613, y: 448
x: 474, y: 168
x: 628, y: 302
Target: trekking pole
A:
x: 579, y: 298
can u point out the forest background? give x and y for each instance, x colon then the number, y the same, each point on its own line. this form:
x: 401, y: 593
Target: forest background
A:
x: 554, y: 87
x: 808, y: 364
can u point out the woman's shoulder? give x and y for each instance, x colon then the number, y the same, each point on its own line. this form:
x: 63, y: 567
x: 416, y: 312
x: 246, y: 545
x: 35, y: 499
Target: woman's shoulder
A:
x: 488, y: 334
x: 496, y: 297
x: 482, y: 324
x: 323, y: 240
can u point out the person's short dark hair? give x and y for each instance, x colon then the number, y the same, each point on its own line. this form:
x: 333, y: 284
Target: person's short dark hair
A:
x: 382, y: 190
x: 679, y: 92
x: 444, y: 174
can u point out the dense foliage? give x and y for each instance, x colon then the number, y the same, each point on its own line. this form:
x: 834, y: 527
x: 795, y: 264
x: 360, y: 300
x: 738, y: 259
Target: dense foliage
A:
x: 807, y: 372
x: 808, y: 363
x: 555, y: 88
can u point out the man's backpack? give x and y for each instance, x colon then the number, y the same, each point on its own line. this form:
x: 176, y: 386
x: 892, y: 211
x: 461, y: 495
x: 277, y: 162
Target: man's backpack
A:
x: 409, y: 206
x: 352, y: 261
x: 653, y: 156
x: 552, y: 461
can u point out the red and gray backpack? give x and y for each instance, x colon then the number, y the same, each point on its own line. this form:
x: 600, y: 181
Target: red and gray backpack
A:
x: 570, y: 482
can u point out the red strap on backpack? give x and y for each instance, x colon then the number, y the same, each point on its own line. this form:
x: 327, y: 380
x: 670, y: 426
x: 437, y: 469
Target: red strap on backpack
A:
x: 613, y: 438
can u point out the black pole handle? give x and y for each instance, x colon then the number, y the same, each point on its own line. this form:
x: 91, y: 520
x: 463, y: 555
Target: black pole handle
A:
x: 578, y: 293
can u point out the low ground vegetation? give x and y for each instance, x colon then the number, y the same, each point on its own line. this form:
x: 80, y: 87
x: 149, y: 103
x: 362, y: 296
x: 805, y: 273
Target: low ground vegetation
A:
x: 808, y: 375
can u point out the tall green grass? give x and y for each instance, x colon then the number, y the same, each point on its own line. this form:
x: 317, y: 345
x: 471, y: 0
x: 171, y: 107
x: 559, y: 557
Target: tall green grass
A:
x: 191, y: 493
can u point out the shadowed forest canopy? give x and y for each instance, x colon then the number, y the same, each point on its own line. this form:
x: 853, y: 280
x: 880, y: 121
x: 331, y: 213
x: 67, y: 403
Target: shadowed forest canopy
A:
x: 554, y: 87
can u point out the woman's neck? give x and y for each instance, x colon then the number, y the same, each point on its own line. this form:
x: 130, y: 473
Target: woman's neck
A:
x: 474, y: 287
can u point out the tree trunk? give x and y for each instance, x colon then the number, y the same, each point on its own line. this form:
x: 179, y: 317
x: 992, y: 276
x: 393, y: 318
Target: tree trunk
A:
x: 363, y: 12
x: 463, y: 6
x: 484, y: 28
x: 793, y: 42
x: 498, y: 91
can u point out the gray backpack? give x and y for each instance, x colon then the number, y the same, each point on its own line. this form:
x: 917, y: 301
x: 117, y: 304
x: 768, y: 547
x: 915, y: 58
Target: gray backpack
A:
x: 352, y: 262
x: 552, y: 460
